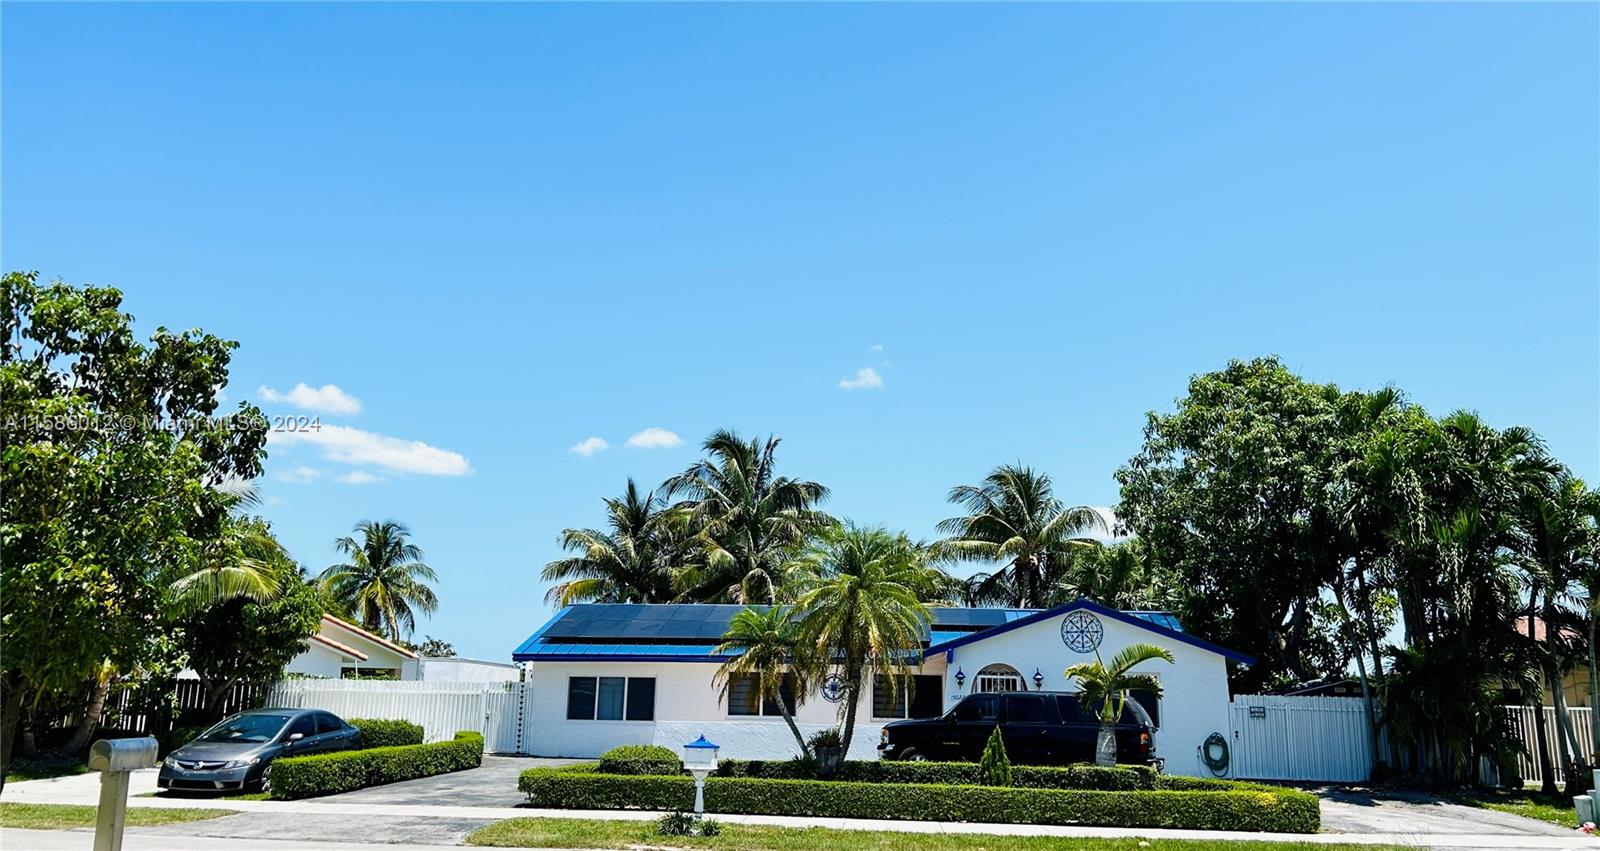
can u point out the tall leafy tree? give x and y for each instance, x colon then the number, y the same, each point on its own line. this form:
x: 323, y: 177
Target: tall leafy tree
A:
x: 1123, y: 575
x: 633, y: 560
x: 385, y: 582
x: 111, y: 452
x: 861, y: 605
x: 767, y: 643
x: 1104, y: 688
x: 1234, y: 490
x: 748, y: 519
x: 1014, y: 516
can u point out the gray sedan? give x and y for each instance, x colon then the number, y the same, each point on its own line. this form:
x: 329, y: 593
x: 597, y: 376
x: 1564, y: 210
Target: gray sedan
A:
x: 237, y: 754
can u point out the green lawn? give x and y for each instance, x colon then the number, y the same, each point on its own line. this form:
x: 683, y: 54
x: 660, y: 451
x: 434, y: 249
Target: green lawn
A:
x: 1556, y: 810
x: 586, y: 833
x: 64, y: 816
x: 43, y: 767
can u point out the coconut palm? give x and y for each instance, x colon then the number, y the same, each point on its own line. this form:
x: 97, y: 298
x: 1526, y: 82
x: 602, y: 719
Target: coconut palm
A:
x: 749, y: 519
x: 243, y: 561
x: 1014, y: 516
x: 385, y: 581
x: 766, y: 643
x: 1108, y: 685
x: 861, y: 593
x: 631, y: 561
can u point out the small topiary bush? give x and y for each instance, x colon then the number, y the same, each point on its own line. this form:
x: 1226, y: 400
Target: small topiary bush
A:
x: 1122, y: 778
x: 386, y: 732
x: 343, y: 771
x: 1238, y: 808
x: 994, y: 767
x: 640, y: 759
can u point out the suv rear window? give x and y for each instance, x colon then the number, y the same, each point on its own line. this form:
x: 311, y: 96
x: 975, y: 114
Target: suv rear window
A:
x: 1023, y: 709
x: 979, y: 707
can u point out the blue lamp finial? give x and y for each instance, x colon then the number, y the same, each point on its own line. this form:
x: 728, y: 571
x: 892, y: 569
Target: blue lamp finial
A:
x: 701, y: 743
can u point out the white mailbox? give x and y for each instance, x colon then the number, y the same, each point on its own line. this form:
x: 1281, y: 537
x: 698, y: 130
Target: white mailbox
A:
x: 115, y: 759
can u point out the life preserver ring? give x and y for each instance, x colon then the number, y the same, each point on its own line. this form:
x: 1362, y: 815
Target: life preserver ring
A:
x: 1214, y: 753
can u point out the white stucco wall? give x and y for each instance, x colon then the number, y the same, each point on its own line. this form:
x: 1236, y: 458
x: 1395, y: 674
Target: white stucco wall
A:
x: 457, y: 670
x: 319, y: 660
x: 688, y: 705
x: 1196, y: 685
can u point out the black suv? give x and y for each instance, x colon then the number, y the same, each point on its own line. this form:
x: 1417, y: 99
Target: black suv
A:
x: 1038, y: 728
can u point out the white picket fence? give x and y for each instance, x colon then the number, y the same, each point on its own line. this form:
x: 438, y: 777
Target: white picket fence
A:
x: 1522, y: 720
x: 1300, y: 738
x: 493, y: 709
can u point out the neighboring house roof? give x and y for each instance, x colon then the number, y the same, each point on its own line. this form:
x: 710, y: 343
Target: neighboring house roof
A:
x: 1130, y: 618
x: 1540, y: 631
x: 689, y: 632
x: 342, y: 648
x: 352, y: 629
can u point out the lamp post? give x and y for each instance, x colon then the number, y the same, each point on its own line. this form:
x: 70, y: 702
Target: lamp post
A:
x: 700, y: 757
x: 961, y: 678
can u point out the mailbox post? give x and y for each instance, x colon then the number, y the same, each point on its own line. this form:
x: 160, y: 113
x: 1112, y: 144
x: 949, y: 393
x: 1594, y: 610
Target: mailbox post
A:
x: 115, y: 759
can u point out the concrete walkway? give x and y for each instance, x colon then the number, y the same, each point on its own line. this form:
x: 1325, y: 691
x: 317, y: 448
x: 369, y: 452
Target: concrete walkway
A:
x: 284, y: 825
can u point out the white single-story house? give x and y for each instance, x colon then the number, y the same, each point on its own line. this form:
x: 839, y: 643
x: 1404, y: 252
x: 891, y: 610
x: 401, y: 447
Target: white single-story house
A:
x: 455, y: 669
x: 609, y: 674
x: 341, y: 649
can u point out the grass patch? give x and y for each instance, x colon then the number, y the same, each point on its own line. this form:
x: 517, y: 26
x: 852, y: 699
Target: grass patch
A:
x: 586, y: 833
x: 67, y: 816
x: 1532, y: 805
x: 42, y: 768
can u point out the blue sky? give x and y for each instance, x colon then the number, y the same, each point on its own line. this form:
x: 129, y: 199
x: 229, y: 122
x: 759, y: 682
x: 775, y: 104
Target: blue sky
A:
x: 506, y: 229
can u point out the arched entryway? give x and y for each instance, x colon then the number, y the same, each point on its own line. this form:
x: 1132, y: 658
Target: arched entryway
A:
x: 999, y: 677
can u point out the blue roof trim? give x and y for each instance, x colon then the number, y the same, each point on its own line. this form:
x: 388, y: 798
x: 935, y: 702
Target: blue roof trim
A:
x: 1082, y: 603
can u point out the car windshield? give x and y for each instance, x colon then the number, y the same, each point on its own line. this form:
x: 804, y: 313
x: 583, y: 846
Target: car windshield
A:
x: 246, y: 728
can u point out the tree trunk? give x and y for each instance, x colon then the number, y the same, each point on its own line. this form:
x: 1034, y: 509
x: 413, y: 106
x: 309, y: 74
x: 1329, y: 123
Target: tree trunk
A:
x: 850, y: 715
x: 1105, y: 749
x: 27, y: 740
x: 788, y: 718
x: 1547, y: 770
x: 1594, y: 685
x: 93, y: 711
x: 10, y: 715
x: 1569, y: 738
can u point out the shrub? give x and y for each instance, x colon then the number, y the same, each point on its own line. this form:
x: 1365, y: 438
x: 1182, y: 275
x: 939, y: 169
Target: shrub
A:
x: 1122, y: 778
x: 327, y: 773
x: 828, y: 738
x: 640, y: 759
x: 679, y: 823
x: 994, y: 767
x: 386, y: 732
x: 1279, y: 810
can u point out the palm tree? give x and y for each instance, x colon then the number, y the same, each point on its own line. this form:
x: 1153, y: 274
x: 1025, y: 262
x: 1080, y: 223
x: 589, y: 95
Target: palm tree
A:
x: 861, y: 606
x: 243, y: 561
x: 1108, y: 686
x: 631, y: 561
x: 384, y: 581
x: 1121, y: 576
x: 766, y: 643
x: 1013, y: 515
x: 749, y: 519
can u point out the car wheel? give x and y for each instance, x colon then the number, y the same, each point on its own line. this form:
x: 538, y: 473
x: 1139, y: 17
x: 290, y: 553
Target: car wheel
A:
x: 265, y: 784
x: 913, y: 756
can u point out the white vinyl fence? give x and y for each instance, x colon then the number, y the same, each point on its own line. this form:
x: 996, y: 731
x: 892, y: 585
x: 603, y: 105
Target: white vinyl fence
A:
x: 1522, y: 721
x: 1300, y: 738
x: 493, y: 709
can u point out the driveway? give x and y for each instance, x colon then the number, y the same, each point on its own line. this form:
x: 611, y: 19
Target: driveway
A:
x: 1366, y: 811
x: 493, y: 784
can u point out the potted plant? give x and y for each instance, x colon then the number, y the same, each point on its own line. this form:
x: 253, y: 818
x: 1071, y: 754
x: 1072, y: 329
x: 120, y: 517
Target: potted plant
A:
x: 828, y: 747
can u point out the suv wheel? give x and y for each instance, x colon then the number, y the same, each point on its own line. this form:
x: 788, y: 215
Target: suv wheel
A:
x: 913, y: 756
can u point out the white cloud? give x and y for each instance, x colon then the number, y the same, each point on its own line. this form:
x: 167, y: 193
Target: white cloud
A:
x: 300, y: 475
x: 876, y: 348
x: 654, y: 438
x: 359, y: 477
x: 589, y: 446
x: 346, y: 445
x: 866, y: 378
x: 328, y: 398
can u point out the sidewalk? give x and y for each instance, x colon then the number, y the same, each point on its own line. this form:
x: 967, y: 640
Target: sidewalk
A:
x: 281, y: 818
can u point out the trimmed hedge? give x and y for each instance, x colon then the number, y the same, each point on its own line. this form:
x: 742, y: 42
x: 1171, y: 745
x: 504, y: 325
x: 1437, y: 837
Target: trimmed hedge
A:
x: 640, y: 759
x: 343, y: 771
x: 1122, y: 778
x: 1280, y: 810
x: 386, y: 732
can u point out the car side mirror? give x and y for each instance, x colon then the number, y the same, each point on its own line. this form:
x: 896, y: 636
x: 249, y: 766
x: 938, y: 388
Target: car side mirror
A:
x: 295, y: 737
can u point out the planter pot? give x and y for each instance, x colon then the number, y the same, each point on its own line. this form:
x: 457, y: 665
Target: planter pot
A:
x: 1106, y: 747
x: 828, y: 760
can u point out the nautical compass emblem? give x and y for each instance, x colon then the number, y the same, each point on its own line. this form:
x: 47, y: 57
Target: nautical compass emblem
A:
x: 1081, y: 631
x: 833, y: 688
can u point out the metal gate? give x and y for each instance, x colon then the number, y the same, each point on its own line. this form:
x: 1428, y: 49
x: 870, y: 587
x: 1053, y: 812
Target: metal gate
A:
x: 1300, y: 738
